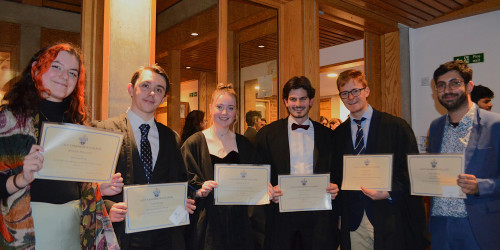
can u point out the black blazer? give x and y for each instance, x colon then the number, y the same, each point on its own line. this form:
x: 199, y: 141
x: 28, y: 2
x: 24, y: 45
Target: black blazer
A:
x: 272, y: 145
x: 169, y: 167
x: 400, y: 223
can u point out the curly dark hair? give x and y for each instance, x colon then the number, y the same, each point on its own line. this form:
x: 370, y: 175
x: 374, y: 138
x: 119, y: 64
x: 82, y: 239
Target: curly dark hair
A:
x: 193, y: 124
x: 298, y: 82
x: 26, y: 94
x: 460, y: 66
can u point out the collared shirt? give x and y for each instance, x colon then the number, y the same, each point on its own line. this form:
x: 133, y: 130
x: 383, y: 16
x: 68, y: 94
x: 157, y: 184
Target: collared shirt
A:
x: 364, y: 124
x: 153, y: 136
x: 455, y: 140
x: 301, y: 143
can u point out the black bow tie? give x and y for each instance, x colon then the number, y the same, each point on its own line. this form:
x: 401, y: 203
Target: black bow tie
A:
x: 296, y: 126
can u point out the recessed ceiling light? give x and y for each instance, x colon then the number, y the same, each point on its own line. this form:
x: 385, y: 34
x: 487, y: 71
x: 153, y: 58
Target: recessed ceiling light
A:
x: 187, y: 67
x: 332, y: 75
x: 194, y: 34
x: 261, y: 46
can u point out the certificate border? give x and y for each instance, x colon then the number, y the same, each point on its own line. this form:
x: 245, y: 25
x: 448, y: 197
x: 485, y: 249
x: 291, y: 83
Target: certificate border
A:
x: 389, y: 184
x: 283, y: 210
x: 128, y: 229
x: 266, y: 167
x: 462, y: 170
x: 48, y: 125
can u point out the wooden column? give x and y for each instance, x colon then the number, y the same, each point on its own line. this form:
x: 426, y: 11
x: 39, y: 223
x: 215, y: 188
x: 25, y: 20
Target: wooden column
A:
x: 92, y: 46
x: 121, y: 36
x: 383, y: 72
x: 299, y: 47
x: 206, y: 86
x: 174, y: 95
x: 222, y: 49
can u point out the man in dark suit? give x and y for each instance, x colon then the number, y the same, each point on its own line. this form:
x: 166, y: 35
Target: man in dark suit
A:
x: 472, y: 223
x: 254, y: 123
x: 297, y: 145
x: 149, y: 154
x: 377, y: 219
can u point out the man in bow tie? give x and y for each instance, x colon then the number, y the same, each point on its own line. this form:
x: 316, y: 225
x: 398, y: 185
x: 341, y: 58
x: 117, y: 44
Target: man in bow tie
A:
x: 373, y: 219
x: 296, y: 145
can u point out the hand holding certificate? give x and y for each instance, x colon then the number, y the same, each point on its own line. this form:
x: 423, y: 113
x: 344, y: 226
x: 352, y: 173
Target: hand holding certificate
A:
x: 241, y: 184
x: 373, y: 172
x: 436, y: 174
x: 78, y: 153
x: 304, y: 192
x: 155, y: 206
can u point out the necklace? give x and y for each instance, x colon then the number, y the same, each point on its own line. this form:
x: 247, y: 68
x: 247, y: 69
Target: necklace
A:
x: 62, y: 120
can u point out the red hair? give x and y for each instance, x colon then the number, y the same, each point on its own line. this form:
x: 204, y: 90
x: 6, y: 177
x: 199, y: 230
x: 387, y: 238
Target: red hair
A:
x: 77, y: 97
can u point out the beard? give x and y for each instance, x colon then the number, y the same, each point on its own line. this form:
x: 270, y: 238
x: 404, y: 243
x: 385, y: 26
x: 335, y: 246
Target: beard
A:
x: 456, y: 104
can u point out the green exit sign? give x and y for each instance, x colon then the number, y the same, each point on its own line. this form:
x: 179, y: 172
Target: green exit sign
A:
x: 475, y: 58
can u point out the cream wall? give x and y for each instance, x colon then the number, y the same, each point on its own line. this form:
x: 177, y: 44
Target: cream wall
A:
x: 190, y: 87
x: 433, y: 45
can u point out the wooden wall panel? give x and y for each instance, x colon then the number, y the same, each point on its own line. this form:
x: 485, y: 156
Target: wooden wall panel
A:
x: 51, y: 36
x: 174, y: 95
x: 373, y: 69
x: 391, y: 84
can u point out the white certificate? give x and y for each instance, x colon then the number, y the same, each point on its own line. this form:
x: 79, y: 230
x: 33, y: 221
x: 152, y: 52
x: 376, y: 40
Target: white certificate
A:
x: 78, y: 153
x: 241, y: 184
x: 436, y: 174
x: 370, y: 171
x: 155, y: 206
x: 304, y: 192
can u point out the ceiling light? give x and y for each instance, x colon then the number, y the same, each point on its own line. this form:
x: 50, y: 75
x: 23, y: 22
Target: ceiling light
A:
x: 261, y: 46
x: 257, y: 87
x: 332, y: 75
x: 187, y: 67
x: 194, y: 34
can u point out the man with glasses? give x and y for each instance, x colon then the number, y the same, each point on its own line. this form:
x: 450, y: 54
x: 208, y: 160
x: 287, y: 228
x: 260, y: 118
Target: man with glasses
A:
x: 472, y: 223
x: 377, y: 219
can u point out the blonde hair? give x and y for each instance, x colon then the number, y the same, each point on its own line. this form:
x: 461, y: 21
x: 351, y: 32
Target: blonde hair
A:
x: 224, y: 88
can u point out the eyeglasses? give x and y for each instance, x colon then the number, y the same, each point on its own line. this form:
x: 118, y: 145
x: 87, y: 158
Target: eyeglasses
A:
x: 453, y: 84
x: 353, y: 92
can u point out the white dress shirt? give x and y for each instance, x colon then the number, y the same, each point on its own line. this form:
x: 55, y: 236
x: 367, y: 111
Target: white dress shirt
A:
x: 153, y: 136
x: 301, y: 143
x: 364, y: 124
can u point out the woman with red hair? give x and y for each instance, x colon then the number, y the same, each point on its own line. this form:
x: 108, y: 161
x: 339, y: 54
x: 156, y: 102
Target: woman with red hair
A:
x: 58, y: 214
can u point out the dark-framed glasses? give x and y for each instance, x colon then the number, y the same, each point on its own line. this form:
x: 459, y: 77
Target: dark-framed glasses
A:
x: 353, y: 92
x: 452, y: 84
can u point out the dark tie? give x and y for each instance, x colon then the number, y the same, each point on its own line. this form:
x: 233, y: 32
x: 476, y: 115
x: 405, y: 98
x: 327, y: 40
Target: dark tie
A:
x: 146, y: 155
x: 296, y: 126
x: 359, y: 144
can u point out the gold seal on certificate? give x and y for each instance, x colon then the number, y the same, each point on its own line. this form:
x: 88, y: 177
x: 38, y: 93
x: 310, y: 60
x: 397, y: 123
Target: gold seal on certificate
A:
x: 370, y: 171
x: 241, y: 184
x: 304, y: 192
x: 78, y: 153
x: 155, y: 206
x: 436, y: 174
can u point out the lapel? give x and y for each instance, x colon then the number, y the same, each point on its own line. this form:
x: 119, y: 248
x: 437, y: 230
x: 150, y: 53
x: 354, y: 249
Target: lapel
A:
x: 348, y: 148
x: 316, y: 146
x: 161, y: 138
x: 474, y: 138
x: 282, y: 142
x: 436, y: 138
x: 371, y: 143
x: 131, y: 150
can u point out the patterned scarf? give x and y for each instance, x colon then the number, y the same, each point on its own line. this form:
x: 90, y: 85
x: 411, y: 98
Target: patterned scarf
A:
x: 16, y: 221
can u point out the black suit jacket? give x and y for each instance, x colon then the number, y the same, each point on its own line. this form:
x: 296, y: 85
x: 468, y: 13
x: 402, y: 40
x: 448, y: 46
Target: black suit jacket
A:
x: 169, y: 167
x: 400, y: 223
x: 272, y: 144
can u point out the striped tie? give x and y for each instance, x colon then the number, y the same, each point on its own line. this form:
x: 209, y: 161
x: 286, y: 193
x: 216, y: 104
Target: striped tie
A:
x: 359, y: 147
